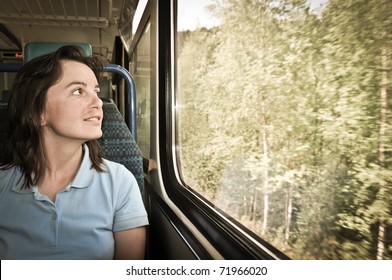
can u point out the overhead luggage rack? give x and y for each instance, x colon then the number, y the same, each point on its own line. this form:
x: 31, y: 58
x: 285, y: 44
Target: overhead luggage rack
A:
x: 87, y: 13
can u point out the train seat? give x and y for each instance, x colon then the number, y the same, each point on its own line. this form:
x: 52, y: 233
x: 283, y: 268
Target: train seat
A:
x: 34, y: 49
x: 117, y: 143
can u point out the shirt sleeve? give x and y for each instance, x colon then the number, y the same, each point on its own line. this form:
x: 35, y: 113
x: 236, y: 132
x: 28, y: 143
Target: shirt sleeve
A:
x: 128, y: 203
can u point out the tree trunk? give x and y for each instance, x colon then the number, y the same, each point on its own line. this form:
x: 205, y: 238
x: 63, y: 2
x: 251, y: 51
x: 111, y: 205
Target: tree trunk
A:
x: 265, y: 182
x: 289, y: 211
x: 382, y: 144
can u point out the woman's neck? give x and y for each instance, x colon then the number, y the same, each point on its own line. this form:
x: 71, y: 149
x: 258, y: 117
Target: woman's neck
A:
x: 62, y: 163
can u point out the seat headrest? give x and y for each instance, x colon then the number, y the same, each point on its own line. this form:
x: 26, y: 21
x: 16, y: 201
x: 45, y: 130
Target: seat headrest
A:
x: 34, y: 49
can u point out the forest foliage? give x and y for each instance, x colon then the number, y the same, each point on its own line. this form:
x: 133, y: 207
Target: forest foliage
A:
x: 284, y: 122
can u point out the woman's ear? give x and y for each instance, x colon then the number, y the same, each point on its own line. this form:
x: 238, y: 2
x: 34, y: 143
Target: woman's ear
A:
x: 43, y: 119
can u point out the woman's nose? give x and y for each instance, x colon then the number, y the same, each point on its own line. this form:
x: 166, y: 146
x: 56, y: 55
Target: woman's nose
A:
x: 96, y: 100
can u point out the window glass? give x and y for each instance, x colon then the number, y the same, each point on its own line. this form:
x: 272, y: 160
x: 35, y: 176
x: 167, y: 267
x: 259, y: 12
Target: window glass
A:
x: 141, y: 71
x: 283, y: 120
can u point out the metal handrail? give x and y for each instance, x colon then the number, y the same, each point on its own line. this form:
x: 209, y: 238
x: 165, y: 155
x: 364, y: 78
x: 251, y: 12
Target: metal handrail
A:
x: 131, y: 90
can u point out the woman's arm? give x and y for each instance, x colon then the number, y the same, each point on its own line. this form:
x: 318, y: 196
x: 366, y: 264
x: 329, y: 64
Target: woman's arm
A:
x: 130, y: 244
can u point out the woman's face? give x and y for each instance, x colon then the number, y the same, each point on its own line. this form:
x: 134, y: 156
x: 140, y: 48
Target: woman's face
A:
x: 73, y: 110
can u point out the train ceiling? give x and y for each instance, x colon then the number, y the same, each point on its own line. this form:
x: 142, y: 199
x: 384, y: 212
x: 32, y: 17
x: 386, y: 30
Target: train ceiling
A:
x: 16, y: 14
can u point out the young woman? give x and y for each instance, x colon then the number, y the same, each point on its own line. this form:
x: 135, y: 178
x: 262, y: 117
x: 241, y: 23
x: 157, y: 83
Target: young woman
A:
x: 58, y: 198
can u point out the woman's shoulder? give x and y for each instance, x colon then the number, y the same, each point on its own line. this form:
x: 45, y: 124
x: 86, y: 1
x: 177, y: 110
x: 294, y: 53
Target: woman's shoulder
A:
x: 117, y: 170
x: 6, y: 172
x: 9, y: 176
x: 112, y: 166
x: 121, y: 181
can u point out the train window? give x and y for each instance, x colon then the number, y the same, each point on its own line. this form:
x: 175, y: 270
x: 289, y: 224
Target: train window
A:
x: 141, y: 71
x: 282, y: 117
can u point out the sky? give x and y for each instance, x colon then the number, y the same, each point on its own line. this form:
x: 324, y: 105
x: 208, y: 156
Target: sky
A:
x: 193, y: 13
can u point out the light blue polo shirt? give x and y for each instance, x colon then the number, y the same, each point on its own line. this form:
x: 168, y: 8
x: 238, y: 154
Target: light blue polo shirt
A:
x: 81, y: 221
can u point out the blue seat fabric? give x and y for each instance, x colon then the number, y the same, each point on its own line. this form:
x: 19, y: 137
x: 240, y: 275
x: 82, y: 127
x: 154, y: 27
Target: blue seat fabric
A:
x: 117, y: 143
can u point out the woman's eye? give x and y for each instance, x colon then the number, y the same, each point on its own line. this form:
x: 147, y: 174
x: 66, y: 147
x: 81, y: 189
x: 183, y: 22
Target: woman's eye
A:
x: 77, y: 91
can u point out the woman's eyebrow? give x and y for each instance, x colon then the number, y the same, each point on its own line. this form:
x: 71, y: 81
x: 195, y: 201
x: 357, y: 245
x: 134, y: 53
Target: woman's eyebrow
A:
x: 76, y: 83
x: 79, y: 83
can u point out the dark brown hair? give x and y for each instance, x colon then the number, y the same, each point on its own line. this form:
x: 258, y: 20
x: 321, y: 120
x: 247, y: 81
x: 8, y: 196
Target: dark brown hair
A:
x: 24, y: 145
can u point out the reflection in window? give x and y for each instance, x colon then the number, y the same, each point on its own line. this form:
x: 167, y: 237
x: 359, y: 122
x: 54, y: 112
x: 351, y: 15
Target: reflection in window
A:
x: 282, y: 121
x: 142, y: 75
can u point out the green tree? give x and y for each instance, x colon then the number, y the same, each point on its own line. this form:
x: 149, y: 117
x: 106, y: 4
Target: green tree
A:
x: 290, y: 122
x: 358, y: 29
